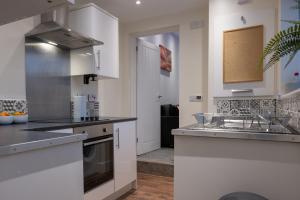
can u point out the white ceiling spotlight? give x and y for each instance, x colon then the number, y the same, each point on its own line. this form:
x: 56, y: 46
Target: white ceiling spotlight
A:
x: 138, y: 2
x: 52, y: 43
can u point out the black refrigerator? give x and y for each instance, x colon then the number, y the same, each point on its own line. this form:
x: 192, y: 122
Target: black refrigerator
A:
x: 169, y: 121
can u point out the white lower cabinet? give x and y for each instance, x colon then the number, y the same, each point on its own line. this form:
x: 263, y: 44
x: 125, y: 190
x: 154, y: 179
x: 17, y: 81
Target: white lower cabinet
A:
x: 125, y: 154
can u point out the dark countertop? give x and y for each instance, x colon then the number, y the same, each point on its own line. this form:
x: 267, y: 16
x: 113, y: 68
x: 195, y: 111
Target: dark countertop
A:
x: 234, y: 134
x: 32, y: 136
x: 36, y: 126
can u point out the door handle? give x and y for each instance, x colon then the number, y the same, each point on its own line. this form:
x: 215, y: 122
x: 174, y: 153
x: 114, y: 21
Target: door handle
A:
x: 97, y: 142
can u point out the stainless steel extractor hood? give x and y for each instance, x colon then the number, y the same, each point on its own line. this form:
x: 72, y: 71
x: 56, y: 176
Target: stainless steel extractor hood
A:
x: 54, y: 30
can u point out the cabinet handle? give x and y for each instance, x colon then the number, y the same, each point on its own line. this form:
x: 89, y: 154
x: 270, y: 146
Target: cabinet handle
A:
x: 118, y: 138
x: 99, y: 60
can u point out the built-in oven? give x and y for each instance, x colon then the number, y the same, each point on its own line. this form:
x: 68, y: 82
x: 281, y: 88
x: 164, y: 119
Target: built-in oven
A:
x: 98, y: 155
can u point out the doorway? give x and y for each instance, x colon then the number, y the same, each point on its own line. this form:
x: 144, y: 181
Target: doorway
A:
x: 157, y: 87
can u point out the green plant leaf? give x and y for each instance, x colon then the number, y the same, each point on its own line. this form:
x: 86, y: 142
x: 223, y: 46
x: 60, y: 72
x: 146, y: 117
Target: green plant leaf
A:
x: 292, y: 56
x: 296, y: 6
x: 291, y: 21
x: 284, y: 43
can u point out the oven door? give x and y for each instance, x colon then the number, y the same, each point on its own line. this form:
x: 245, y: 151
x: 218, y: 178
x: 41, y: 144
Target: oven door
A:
x: 98, y: 158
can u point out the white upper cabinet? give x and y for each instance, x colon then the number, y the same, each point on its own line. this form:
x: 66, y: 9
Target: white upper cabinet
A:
x: 14, y: 10
x: 92, y: 21
x: 85, y: 61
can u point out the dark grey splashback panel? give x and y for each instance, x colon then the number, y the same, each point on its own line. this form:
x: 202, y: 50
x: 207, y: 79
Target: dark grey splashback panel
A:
x: 48, y: 83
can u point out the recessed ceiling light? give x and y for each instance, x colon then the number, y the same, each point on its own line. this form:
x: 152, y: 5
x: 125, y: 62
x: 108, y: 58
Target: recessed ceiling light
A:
x: 138, y: 2
x: 53, y: 43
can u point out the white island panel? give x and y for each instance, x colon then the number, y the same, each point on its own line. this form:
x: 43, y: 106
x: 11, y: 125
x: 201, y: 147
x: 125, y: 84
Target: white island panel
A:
x: 208, y: 168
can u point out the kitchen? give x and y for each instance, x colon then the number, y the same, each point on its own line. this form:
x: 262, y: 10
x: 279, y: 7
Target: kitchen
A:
x: 92, y: 155
x: 75, y: 112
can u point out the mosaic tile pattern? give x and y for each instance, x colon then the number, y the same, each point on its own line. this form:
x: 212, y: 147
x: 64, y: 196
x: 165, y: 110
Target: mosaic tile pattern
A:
x: 287, y: 107
x: 13, y: 106
x: 223, y: 106
x: 246, y: 105
x: 290, y: 106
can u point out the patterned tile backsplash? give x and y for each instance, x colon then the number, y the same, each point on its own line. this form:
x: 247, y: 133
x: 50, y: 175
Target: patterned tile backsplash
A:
x: 290, y: 106
x: 13, y: 105
x: 245, y: 105
x: 286, y: 106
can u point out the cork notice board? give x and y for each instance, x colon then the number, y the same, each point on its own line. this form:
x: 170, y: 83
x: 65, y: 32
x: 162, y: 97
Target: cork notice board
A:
x: 243, y: 49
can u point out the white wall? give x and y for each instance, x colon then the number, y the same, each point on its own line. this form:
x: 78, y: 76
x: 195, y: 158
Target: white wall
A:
x: 119, y: 96
x: 78, y: 88
x: 225, y: 15
x: 12, y: 58
x: 169, y: 81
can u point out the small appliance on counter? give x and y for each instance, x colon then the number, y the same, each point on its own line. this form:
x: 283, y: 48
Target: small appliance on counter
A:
x: 80, y: 107
x: 85, y: 107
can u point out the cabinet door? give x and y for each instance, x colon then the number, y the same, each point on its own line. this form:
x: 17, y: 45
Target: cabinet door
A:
x: 94, y: 22
x: 98, y: 59
x: 110, y: 50
x: 83, y: 61
x: 81, y: 21
x: 125, y: 154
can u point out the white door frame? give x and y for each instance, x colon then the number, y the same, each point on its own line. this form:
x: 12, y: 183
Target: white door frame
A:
x: 133, y: 62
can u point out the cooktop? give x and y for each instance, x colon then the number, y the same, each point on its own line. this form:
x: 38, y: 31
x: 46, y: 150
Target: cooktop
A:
x: 72, y: 120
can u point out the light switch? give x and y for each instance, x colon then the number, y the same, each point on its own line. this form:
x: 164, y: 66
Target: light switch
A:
x: 197, y: 98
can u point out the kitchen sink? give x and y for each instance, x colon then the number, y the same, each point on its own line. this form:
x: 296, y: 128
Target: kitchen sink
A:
x: 242, y: 123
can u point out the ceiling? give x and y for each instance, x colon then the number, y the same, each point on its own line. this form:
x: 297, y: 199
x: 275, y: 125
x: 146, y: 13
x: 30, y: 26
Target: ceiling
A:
x: 128, y: 11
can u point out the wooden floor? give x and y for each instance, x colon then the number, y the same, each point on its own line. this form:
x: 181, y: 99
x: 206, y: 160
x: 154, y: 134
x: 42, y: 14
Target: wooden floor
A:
x: 152, y: 188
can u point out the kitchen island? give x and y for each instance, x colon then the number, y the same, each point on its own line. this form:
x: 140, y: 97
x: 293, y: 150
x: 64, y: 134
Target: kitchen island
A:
x: 210, y: 163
